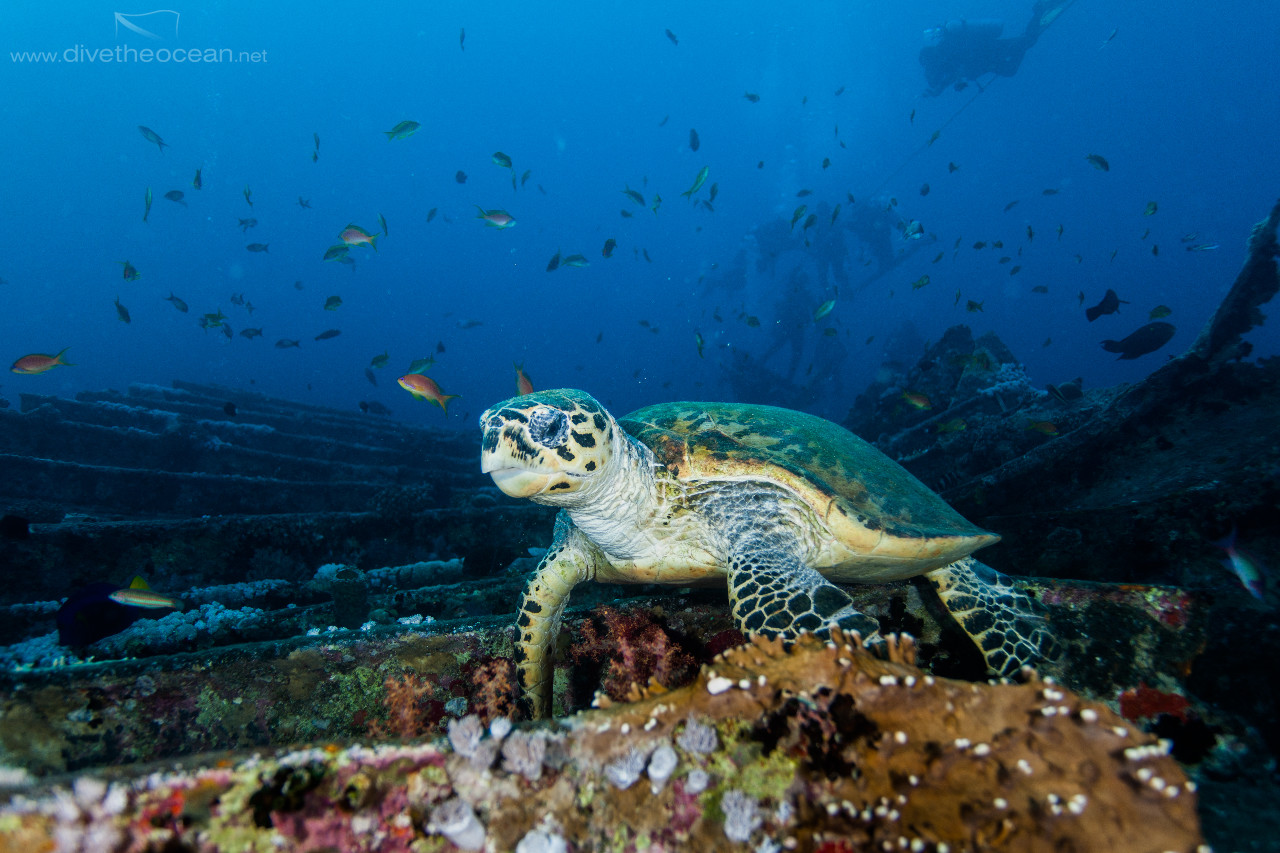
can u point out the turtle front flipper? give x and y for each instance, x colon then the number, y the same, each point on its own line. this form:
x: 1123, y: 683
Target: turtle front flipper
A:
x: 1003, y: 621
x: 568, y: 561
x: 773, y: 593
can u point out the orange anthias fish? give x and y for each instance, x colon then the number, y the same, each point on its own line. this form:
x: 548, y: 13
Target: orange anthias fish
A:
x: 917, y: 400
x: 523, y: 385
x: 354, y: 235
x: 37, y: 363
x: 425, y: 388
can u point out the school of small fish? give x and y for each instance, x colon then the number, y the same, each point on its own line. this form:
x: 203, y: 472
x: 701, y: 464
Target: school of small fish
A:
x: 836, y: 317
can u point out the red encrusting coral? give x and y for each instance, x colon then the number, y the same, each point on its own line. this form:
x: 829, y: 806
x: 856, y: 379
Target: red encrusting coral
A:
x: 723, y: 641
x: 1143, y: 702
x: 637, y: 649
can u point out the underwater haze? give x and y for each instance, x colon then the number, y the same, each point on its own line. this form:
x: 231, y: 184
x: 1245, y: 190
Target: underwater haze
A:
x: 727, y: 292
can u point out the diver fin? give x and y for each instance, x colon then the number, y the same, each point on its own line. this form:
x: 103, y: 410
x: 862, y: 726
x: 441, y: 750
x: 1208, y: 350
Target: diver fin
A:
x: 1003, y: 621
x: 772, y: 593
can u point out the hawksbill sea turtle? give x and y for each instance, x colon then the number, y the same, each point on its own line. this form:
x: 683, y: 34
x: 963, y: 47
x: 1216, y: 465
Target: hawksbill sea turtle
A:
x: 776, y: 503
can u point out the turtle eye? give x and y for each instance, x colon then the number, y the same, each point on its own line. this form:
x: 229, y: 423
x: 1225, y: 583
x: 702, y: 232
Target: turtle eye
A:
x: 549, y: 427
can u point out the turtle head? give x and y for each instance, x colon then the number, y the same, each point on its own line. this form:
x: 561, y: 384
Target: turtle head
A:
x: 546, y: 446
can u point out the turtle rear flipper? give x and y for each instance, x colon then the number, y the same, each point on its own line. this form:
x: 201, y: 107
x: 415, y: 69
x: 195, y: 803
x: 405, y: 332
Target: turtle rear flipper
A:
x: 773, y: 593
x: 567, y: 562
x: 1004, y: 622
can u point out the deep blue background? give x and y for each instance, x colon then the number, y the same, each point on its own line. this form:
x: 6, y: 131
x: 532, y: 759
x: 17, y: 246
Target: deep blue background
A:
x: 1182, y: 103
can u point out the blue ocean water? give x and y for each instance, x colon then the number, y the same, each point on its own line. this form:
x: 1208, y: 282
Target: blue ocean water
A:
x: 592, y: 98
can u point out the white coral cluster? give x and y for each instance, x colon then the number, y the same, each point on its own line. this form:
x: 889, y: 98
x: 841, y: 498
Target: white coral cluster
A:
x: 1010, y: 380
x: 85, y: 816
x: 522, y: 753
x: 741, y: 815
x: 209, y: 620
x: 698, y: 737
x: 457, y: 821
x: 624, y: 770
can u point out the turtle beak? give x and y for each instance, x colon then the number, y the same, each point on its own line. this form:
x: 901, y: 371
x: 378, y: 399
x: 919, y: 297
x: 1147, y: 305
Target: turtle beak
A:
x: 518, y: 483
x: 509, y: 475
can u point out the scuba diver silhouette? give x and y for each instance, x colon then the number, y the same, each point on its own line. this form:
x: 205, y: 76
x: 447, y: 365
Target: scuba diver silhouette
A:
x: 963, y: 50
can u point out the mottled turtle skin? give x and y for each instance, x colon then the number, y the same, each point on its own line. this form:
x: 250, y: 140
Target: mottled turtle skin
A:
x: 775, y: 503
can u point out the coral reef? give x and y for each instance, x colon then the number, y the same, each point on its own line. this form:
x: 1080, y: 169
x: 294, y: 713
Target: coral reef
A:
x: 820, y: 747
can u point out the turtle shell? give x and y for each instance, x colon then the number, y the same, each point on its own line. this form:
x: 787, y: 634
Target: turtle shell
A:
x: 883, y: 522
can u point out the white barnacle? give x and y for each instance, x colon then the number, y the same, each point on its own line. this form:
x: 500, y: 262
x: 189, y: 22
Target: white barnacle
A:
x: 1049, y: 711
x: 1144, y: 774
x: 1119, y: 731
x: 913, y: 780
x: 651, y: 725
x: 982, y: 749
x: 718, y: 685
x: 845, y: 663
x: 761, y: 680
x: 1000, y: 803
x: 744, y: 684
x: 1089, y: 715
x: 626, y: 728
x: 1158, y: 783
x: 910, y: 681
x: 833, y: 809
x: 1024, y: 766
x: 962, y: 743
x: 899, y: 737
x: 888, y: 681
